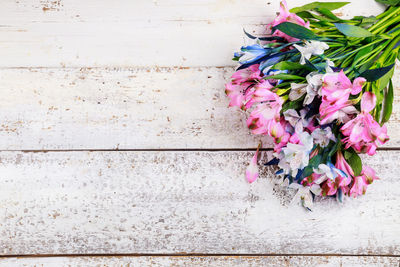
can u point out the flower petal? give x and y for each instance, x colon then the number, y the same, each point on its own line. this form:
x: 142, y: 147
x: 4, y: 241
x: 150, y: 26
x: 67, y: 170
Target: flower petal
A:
x: 368, y: 102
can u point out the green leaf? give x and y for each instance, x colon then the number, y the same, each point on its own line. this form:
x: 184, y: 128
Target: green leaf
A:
x: 327, y: 13
x: 293, y: 104
x: 362, y: 53
x: 388, y: 104
x: 375, y: 74
x: 368, y: 21
x: 354, y: 161
x: 389, y: 2
x: 352, y: 31
x: 384, y: 81
x: 335, y: 148
x: 288, y: 65
x: 307, y: 172
x: 283, y: 76
x: 315, y: 161
x: 309, y: 15
x: 296, y: 31
x: 314, y: 5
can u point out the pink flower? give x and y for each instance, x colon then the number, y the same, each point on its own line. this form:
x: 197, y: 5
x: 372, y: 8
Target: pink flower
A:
x: 359, y: 186
x: 240, y: 88
x: 309, y: 181
x: 251, y: 73
x: 363, y: 133
x: 361, y: 182
x: 340, y: 110
x: 335, y: 91
x: 330, y: 187
x: 252, y: 169
x: 281, y: 142
x: 337, y: 85
x: 266, y: 114
x: 369, y: 174
x: 342, y: 164
x: 286, y: 16
x: 260, y: 92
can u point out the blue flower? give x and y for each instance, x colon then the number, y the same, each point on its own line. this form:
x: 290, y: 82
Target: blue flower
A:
x: 251, y: 53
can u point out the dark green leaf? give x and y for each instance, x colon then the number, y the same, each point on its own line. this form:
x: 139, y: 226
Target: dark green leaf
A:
x: 354, y: 161
x: 314, y: 5
x: 315, y: 161
x: 389, y: 2
x: 296, y: 31
x: 269, y: 38
x: 375, y: 74
x: 293, y: 105
x: 388, y: 104
x: 352, y: 31
x: 288, y: 65
x: 335, y: 148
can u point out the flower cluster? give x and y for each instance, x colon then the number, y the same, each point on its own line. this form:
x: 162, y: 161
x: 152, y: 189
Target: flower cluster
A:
x: 321, y: 98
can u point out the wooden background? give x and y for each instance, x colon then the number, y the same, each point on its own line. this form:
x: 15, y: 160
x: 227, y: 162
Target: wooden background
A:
x: 117, y: 146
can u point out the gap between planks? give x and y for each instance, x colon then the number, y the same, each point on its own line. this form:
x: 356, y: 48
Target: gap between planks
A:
x: 193, y: 255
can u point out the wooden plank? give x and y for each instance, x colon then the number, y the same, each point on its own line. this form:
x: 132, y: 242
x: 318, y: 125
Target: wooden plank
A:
x: 182, y: 202
x: 134, y: 33
x: 134, y: 108
x: 207, y: 261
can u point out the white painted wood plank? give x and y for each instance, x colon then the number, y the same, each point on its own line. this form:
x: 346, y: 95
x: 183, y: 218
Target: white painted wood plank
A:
x: 182, y: 202
x: 135, y: 33
x: 248, y: 261
x: 145, y: 108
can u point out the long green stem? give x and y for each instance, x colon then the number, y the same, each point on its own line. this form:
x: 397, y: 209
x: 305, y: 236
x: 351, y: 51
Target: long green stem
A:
x: 391, y: 13
x: 386, y: 25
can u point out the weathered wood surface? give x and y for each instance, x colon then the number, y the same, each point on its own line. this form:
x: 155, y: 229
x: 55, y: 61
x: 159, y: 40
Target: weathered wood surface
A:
x: 96, y: 75
x: 182, y: 202
x: 134, y: 33
x: 138, y: 108
x: 210, y: 261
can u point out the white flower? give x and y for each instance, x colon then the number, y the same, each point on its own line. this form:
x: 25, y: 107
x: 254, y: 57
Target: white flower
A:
x: 314, y: 80
x: 299, y: 122
x: 327, y: 172
x: 311, y: 48
x: 303, y: 195
x: 323, y: 136
x: 296, y: 156
x: 329, y: 65
x: 297, y: 90
x: 312, y: 88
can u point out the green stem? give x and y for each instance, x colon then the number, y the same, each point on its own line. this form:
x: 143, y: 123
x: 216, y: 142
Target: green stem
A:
x: 386, y: 25
x: 386, y: 17
x: 389, y: 49
x: 356, y: 50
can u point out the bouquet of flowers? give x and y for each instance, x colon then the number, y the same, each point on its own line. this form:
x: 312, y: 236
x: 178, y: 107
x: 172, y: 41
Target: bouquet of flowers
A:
x: 321, y: 87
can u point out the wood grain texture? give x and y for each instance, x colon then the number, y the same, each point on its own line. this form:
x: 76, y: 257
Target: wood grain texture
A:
x: 124, y: 33
x: 211, y: 261
x: 182, y: 202
x: 83, y: 75
x: 136, y: 108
